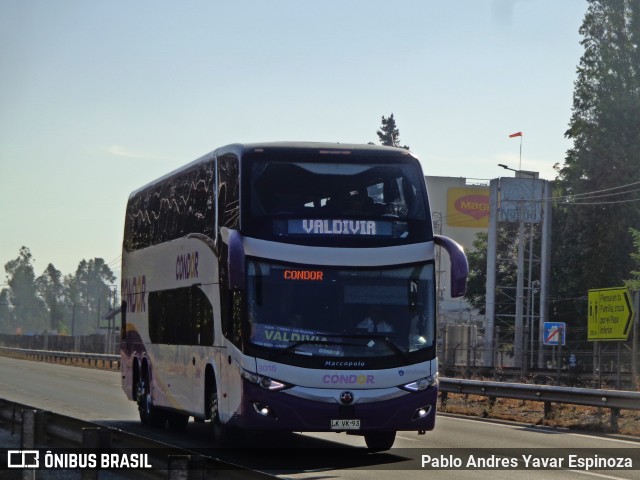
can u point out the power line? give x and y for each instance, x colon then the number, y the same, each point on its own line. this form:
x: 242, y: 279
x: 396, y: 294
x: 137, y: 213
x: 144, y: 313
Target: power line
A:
x: 607, y: 203
x: 603, y: 190
x: 115, y: 261
x: 592, y: 194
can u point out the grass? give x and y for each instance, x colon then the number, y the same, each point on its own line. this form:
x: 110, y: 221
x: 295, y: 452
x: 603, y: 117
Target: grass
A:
x: 574, y: 417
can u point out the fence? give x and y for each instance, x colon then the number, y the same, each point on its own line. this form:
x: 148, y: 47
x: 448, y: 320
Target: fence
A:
x: 600, y: 364
x: 615, y: 400
x: 96, y: 343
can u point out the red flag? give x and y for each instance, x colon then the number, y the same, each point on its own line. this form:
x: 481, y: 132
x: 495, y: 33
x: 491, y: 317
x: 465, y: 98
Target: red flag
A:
x: 517, y: 134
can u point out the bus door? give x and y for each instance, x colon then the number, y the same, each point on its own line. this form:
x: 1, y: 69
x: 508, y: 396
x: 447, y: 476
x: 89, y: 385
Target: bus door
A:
x: 230, y: 356
x: 231, y: 381
x: 200, y: 341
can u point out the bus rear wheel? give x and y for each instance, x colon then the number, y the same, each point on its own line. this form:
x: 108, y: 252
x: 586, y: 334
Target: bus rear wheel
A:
x: 379, y: 441
x: 149, y: 415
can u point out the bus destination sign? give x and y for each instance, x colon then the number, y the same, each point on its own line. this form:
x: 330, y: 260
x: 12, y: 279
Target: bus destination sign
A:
x: 331, y: 227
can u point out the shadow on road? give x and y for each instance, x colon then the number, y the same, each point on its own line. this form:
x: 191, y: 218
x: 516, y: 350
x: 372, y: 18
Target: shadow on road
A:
x: 271, y: 452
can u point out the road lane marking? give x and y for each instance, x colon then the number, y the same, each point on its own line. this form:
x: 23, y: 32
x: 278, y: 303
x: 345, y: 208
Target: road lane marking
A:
x: 599, y: 475
x: 543, y: 429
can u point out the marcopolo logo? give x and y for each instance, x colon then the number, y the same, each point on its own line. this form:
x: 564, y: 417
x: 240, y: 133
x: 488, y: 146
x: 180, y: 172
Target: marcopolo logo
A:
x: 341, y: 379
x: 347, y: 398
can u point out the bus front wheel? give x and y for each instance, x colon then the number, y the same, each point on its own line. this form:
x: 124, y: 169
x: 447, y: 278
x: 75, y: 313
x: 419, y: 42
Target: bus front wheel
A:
x: 213, y: 413
x: 379, y: 441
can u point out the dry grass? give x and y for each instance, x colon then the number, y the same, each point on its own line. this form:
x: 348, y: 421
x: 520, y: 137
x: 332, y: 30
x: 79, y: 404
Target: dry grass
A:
x: 573, y: 417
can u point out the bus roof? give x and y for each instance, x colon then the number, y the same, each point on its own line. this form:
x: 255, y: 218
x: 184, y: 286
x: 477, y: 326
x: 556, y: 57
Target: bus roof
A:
x: 320, y: 146
x: 240, y: 148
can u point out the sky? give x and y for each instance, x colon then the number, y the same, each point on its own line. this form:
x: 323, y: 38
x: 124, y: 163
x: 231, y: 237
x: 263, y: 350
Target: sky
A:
x: 99, y: 98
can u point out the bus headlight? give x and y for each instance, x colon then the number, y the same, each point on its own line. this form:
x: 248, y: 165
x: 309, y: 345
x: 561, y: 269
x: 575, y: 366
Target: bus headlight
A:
x: 264, y: 382
x: 422, y: 384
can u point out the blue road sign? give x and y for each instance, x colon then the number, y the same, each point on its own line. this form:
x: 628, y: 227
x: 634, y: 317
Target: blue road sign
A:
x: 554, y: 333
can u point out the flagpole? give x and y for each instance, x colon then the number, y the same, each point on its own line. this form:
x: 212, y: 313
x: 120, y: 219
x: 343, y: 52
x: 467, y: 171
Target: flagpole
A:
x: 520, y: 167
x: 518, y: 134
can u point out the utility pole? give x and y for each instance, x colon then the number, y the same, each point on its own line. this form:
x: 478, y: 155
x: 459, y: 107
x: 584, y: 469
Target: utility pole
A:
x: 519, y: 324
x: 490, y: 344
x: 545, y: 270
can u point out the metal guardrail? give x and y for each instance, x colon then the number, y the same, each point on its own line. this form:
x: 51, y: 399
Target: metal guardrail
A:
x: 544, y: 393
x: 52, y: 433
x: 615, y: 400
x: 98, y: 360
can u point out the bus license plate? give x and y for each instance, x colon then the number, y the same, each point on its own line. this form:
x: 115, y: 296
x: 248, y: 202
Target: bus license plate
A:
x: 345, y: 424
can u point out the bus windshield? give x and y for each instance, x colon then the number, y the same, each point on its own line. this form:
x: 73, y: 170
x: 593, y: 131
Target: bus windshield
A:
x: 331, y: 312
x: 306, y: 199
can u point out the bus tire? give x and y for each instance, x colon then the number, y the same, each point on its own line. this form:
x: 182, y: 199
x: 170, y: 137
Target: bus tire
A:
x: 149, y: 415
x: 218, y: 429
x: 379, y: 441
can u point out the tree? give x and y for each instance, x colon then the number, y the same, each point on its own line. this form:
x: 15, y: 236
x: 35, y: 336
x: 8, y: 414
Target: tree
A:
x: 89, y: 293
x: 591, y: 240
x: 506, y: 270
x: 71, y: 303
x: 389, y: 134
x: 28, y: 309
x: 475, y: 293
x: 633, y: 283
x: 7, y: 322
x: 51, y: 289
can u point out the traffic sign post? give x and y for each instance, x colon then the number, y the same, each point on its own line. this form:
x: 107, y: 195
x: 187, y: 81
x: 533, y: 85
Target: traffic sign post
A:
x: 555, y: 333
x: 610, y: 314
x: 609, y: 319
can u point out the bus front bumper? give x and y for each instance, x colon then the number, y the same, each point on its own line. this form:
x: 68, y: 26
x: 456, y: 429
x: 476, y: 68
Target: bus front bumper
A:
x: 287, y: 411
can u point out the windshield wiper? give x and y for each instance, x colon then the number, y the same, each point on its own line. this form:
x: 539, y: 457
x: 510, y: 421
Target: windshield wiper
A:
x: 362, y: 337
x: 293, y: 346
x: 390, y: 343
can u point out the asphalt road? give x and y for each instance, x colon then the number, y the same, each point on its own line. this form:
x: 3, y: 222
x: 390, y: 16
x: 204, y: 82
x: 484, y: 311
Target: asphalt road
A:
x: 97, y: 396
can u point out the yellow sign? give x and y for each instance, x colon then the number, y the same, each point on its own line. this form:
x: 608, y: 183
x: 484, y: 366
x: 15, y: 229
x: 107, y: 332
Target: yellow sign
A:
x: 468, y: 207
x: 610, y: 314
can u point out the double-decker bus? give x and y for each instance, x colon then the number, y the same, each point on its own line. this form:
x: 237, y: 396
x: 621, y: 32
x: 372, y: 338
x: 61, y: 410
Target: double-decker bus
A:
x: 285, y: 286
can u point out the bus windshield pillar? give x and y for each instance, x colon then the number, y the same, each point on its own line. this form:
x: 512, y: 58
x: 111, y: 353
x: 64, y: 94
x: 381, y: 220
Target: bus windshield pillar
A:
x: 236, y: 261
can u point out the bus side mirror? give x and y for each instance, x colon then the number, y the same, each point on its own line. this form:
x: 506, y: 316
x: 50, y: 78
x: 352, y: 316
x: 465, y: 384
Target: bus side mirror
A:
x: 236, y: 261
x: 459, y: 265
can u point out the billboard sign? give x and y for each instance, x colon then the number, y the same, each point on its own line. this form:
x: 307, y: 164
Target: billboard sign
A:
x: 521, y: 199
x: 610, y: 314
x: 468, y: 207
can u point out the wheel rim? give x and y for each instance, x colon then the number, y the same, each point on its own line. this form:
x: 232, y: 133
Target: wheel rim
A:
x: 144, y: 400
